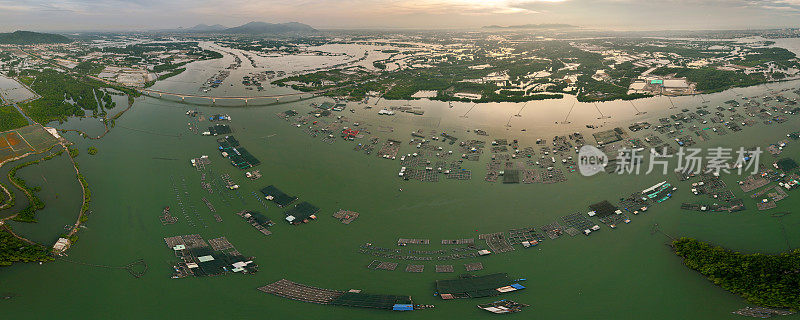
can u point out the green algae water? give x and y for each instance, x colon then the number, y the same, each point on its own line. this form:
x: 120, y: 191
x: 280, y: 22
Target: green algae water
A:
x: 624, y: 273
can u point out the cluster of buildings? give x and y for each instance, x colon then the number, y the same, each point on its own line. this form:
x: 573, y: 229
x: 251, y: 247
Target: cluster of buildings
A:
x: 662, y: 86
x: 131, y: 77
x: 133, y: 68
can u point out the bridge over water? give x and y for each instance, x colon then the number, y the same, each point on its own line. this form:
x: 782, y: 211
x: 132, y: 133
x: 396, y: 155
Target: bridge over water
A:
x: 245, y: 99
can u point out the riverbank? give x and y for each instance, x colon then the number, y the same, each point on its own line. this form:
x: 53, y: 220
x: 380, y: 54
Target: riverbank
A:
x: 131, y: 187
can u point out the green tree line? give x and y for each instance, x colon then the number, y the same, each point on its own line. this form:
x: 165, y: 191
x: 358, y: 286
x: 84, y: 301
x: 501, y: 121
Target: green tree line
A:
x: 767, y: 280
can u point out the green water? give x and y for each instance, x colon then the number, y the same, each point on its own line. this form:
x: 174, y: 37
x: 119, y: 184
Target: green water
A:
x: 626, y: 273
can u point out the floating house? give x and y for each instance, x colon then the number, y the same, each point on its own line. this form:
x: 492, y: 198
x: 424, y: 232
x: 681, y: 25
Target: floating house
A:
x: 352, y: 298
x: 241, y: 158
x: 277, y: 196
x: 476, y: 286
x: 301, y: 213
x: 503, y: 307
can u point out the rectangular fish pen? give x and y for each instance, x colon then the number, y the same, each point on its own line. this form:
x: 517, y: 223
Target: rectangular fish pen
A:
x: 277, y: 196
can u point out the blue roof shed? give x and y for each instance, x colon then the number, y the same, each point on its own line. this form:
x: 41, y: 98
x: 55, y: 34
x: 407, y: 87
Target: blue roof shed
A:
x: 403, y: 307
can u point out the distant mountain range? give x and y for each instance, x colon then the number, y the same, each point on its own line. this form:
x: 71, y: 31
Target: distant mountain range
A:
x: 534, y: 26
x: 206, y: 28
x: 30, y: 37
x: 264, y: 27
x: 249, y: 28
x: 198, y: 28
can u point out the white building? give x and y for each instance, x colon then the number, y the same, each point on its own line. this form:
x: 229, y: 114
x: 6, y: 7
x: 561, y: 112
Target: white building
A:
x: 61, y: 245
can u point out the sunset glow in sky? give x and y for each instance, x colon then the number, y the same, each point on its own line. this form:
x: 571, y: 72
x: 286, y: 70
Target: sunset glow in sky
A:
x: 64, y: 15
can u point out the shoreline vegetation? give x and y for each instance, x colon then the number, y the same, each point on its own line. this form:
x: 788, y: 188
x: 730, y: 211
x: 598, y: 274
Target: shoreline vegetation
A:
x: 59, y: 96
x: 707, y: 80
x: 16, y: 249
x: 83, y: 214
x: 10, y: 198
x: 28, y: 214
x: 766, y: 280
x: 63, y: 95
x: 7, y: 198
x: 592, y: 70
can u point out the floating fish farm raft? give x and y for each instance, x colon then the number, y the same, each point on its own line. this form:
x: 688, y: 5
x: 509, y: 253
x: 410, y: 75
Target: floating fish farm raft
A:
x: 608, y: 213
x: 457, y: 253
x: 239, y: 156
x: 389, y: 149
x: 253, y: 175
x: 511, y: 176
x: 219, y: 117
x: 198, y: 258
x: 603, y: 209
x: 375, y: 301
x: 352, y: 298
x: 300, y: 292
x: 578, y: 223
x: 415, y: 268
x: 277, y: 196
x: 733, y: 206
x: 753, y: 182
x: 503, y: 306
x: 286, y: 115
x: 166, y: 218
x: 757, y: 312
x: 257, y: 220
x: 609, y: 136
x: 403, y: 241
x: 475, y: 266
x: 381, y: 265
x: 526, y: 236
x: 346, y: 216
x: 497, y: 242
x: 723, y: 198
x: 476, y: 286
x: 301, y: 212
x: 658, y: 193
x: 200, y: 163
x: 219, y: 129
x: 444, y: 268
x: 459, y: 241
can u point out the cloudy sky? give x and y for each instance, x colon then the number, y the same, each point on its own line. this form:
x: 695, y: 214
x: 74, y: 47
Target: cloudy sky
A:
x: 76, y: 15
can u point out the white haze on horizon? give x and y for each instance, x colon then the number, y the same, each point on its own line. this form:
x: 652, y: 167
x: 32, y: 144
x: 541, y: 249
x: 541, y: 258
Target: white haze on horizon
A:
x: 122, y: 15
